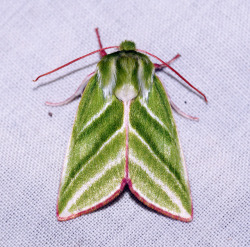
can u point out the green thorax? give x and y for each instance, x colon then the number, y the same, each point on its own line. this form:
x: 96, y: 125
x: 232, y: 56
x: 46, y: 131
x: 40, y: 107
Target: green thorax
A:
x: 126, y: 73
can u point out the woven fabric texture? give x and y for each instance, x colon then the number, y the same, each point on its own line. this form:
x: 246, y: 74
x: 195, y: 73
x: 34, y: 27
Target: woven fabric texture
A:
x: 213, y: 39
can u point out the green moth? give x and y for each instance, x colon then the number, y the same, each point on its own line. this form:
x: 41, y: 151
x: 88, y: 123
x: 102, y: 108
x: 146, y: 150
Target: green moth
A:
x: 124, y: 134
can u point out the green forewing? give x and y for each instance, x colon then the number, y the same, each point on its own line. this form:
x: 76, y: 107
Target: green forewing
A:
x: 95, y: 161
x: 156, y: 164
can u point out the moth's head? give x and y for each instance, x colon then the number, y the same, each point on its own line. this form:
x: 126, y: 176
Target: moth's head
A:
x: 126, y: 74
x: 127, y: 46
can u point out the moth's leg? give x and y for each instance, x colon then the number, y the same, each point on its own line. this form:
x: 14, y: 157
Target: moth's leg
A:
x: 76, y: 94
x: 103, y: 52
x: 161, y: 66
x: 176, y: 108
x: 179, y: 111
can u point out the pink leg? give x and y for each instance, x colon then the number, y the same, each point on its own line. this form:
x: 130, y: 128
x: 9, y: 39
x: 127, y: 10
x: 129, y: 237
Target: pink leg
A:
x: 161, y: 66
x: 76, y: 94
x: 177, y: 109
x: 173, y: 105
x: 103, y: 52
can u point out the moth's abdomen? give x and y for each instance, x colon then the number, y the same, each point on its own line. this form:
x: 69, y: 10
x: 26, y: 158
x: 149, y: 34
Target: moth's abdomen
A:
x: 126, y: 74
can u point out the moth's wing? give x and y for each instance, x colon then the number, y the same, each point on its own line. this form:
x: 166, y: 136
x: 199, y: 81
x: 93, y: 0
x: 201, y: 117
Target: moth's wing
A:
x: 157, y: 171
x: 94, y: 167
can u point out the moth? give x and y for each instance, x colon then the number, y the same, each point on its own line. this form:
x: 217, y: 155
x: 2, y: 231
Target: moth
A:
x: 124, y: 134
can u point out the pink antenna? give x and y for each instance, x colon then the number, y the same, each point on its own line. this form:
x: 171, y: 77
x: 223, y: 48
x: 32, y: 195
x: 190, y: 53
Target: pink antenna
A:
x: 103, y: 52
x: 177, y: 73
x: 79, y: 58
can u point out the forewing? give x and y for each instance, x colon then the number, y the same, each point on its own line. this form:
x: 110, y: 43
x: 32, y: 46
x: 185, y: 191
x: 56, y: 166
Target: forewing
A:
x: 94, y: 165
x: 157, y: 170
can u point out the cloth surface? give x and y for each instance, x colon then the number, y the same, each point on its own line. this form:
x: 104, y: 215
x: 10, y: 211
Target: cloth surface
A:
x: 213, y: 39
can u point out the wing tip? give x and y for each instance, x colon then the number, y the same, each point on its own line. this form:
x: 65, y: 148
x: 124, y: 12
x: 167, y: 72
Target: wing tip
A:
x: 159, y: 210
x: 91, y: 209
x: 175, y: 217
x: 70, y: 217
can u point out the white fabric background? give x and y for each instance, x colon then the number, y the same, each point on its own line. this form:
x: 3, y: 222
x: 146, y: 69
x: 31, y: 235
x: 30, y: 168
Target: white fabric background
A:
x: 213, y: 39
